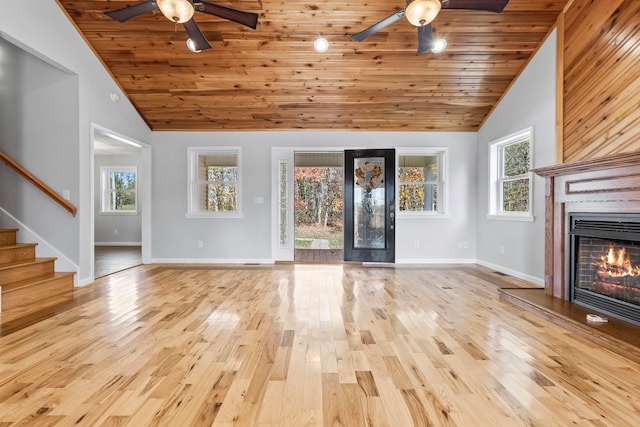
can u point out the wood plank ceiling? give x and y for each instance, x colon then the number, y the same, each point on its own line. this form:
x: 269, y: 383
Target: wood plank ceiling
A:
x: 272, y: 79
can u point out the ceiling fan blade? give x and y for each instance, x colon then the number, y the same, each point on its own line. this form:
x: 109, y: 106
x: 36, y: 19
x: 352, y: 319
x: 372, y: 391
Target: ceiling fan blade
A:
x: 425, y: 39
x: 249, y: 19
x: 378, y: 26
x: 496, y: 6
x: 129, y: 12
x: 195, y: 34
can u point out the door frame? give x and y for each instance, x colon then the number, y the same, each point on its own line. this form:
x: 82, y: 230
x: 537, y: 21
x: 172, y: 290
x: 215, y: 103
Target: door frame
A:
x: 373, y: 255
x: 144, y: 197
x: 284, y: 250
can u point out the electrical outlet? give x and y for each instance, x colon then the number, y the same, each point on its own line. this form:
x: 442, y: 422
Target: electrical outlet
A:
x: 416, y: 244
x: 200, y: 243
x: 501, y: 250
x: 466, y: 245
x: 66, y: 194
x: 460, y: 245
x: 115, y: 232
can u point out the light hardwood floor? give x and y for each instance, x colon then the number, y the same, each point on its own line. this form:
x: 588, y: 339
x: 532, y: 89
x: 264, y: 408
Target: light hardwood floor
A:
x: 306, y: 345
x: 110, y: 259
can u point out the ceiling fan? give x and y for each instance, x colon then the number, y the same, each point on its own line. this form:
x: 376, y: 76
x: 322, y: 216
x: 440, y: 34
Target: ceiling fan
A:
x: 422, y: 12
x: 182, y: 11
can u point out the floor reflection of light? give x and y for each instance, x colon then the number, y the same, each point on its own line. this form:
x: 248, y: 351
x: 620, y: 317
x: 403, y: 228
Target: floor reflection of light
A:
x: 226, y: 319
x: 122, y: 299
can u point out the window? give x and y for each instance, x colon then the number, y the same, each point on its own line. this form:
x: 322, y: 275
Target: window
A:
x: 511, y: 178
x: 421, y: 181
x: 214, y: 182
x: 119, y: 189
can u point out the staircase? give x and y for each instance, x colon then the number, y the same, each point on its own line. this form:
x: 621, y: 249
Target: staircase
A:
x: 28, y: 283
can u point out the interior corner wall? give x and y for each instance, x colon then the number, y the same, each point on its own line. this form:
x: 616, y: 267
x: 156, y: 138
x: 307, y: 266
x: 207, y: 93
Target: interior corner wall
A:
x: 531, y: 101
x: 41, y: 30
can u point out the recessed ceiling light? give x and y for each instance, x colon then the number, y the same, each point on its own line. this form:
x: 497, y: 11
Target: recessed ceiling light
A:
x: 439, y: 45
x: 121, y: 139
x: 321, y: 44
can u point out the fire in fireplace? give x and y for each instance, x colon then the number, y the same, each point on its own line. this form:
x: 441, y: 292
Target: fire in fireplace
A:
x: 605, y: 263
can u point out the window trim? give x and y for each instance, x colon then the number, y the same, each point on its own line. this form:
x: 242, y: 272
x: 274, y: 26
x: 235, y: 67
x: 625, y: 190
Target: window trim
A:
x: 496, y: 179
x: 192, y: 169
x: 442, y: 153
x: 105, y: 190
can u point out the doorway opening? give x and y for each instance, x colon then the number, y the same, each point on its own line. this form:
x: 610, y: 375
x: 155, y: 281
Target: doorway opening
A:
x: 118, y: 164
x: 318, y: 207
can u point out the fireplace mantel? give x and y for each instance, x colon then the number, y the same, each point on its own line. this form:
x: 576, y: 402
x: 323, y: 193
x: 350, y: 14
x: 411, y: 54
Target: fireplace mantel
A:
x: 609, y: 184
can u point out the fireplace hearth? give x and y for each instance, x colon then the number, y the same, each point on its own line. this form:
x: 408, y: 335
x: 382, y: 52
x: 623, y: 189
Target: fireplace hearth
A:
x: 605, y: 263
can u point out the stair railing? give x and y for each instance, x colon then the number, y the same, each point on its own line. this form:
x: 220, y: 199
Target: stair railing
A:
x: 38, y: 184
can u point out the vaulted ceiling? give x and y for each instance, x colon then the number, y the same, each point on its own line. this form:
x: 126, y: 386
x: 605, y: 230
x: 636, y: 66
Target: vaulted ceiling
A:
x: 272, y: 79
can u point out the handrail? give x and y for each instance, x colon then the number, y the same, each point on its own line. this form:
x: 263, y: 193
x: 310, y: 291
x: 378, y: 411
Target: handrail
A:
x: 38, y: 184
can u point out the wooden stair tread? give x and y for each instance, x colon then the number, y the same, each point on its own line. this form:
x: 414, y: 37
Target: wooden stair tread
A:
x: 8, y: 236
x: 18, y: 245
x: 9, y: 265
x: 33, y: 282
x: 28, y: 282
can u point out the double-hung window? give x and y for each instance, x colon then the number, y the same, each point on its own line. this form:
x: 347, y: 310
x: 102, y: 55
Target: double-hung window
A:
x: 421, y: 181
x: 119, y: 189
x: 214, y: 184
x: 511, y: 181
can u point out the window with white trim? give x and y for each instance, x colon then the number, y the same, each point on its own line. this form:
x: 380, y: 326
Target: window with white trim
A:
x: 119, y: 189
x: 214, y: 182
x: 511, y: 179
x: 421, y: 181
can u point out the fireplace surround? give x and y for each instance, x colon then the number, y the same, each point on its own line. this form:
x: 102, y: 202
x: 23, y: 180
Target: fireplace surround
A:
x: 591, y: 193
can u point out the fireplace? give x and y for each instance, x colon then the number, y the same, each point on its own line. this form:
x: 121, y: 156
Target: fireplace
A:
x: 592, y: 208
x: 605, y: 263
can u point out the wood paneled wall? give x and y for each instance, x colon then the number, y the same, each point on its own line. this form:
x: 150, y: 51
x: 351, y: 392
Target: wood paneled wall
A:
x: 601, y: 79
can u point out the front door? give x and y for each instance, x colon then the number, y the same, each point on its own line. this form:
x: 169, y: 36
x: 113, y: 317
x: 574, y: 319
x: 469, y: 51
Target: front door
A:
x: 369, y: 205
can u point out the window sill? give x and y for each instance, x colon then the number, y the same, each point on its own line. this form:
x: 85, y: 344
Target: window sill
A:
x: 214, y: 215
x: 121, y: 213
x: 422, y: 215
x: 521, y: 218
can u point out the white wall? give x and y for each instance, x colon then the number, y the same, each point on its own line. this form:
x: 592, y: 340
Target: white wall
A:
x: 248, y: 239
x: 529, y: 102
x: 40, y: 28
x: 116, y: 229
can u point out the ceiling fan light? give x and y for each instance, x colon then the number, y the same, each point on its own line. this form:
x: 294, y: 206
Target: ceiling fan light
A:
x: 439, y: 45
x: 178, y: 11
x: 192, y: 46
x: 422, y: 12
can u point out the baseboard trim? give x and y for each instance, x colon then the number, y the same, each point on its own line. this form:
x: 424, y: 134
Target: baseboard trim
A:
x: 435, y: 261
x: 117, y: 244
x: 210, y: 261
x: 535, y: 280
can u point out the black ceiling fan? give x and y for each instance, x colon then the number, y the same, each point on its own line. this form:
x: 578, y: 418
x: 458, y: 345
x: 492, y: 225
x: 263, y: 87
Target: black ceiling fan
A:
x: 182, y: 11
x: 421, y: 12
